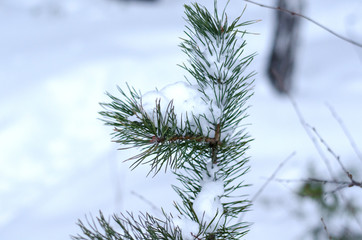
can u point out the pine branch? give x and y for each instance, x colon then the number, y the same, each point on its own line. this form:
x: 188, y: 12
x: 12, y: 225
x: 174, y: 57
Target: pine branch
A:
x: 158, y: 136
x: 128, y: 227
x: 205, y: 147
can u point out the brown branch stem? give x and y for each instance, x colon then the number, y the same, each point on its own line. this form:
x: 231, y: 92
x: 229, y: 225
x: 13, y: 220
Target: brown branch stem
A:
x: 215, y: 145
x: 215, y: 141
x: 211, y: 141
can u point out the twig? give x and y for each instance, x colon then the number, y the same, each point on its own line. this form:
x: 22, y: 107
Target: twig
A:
x: 326, y: 229
x: 261, y: 189
x: 306, y: 126
x: 214, y: 145
x: 340, y: 186
x: 154, y: 207
x: 310, y: 20
x: 329, y: 149
x: 325, y: 159
x: 256, y: 195
x: 155, y: 139
x: 310, y: 135
x: 343, y: 184
x: 349, y: 175
x: 307, y: 180
x: 345, y: 130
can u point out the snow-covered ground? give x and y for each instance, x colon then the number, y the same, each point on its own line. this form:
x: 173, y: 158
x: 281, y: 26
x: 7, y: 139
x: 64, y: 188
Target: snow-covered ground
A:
x: 57, y: 58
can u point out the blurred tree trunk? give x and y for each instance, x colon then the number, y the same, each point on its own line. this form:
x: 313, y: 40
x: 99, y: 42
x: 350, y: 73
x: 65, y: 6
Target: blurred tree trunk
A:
x: 283, y: 54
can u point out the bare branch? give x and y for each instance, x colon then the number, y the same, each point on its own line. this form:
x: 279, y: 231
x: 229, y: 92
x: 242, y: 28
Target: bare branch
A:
x: 310, y: 20
x: 342, y: 184
x: 151, y: 204
x: 325, y: 159
x: 326, y: 229
x: 337, y: 157
x: 349, y: 175
x: 272, y: 176
x: 346, y: 132
x: 310, y: 135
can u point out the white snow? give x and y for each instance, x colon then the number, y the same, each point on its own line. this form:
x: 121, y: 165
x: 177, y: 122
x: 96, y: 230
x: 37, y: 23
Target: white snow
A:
x: 189, y: 229
x: 215, y: 53
x: 57, y: 58
x: 217, y: 60
x: 188, y: 103
x: 207, y: 204
x: 134, y: 118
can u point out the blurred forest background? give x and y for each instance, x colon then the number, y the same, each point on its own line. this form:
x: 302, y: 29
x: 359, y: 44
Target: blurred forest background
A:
x: 58, y: 164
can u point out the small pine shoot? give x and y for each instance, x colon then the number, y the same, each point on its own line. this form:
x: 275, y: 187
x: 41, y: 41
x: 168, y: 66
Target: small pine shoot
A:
x: 196, y: 130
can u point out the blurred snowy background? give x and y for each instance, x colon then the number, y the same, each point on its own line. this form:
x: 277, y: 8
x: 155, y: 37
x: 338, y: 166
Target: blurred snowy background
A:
x: 57, y: 58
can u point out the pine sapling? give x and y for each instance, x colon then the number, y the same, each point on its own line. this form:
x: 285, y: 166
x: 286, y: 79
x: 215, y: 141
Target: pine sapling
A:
x: 196, y: 130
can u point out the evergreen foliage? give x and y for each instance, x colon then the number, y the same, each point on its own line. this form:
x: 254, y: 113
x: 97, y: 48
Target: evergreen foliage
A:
x: 205, y: 150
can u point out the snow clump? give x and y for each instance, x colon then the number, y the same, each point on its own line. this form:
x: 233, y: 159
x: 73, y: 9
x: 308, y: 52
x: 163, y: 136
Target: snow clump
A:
x: 217, y: 54
x: 187, y: 101
x: 189, y: 228
x: 207, y: 204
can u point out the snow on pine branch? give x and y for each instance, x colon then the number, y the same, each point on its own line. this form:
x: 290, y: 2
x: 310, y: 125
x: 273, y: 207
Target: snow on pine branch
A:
x: 217, y: 53
x: 207, y: 206
x: 193, y: 127
x: 189, y: 105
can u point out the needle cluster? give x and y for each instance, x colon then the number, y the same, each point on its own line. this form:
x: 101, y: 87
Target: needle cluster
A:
x: 199, y: 135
